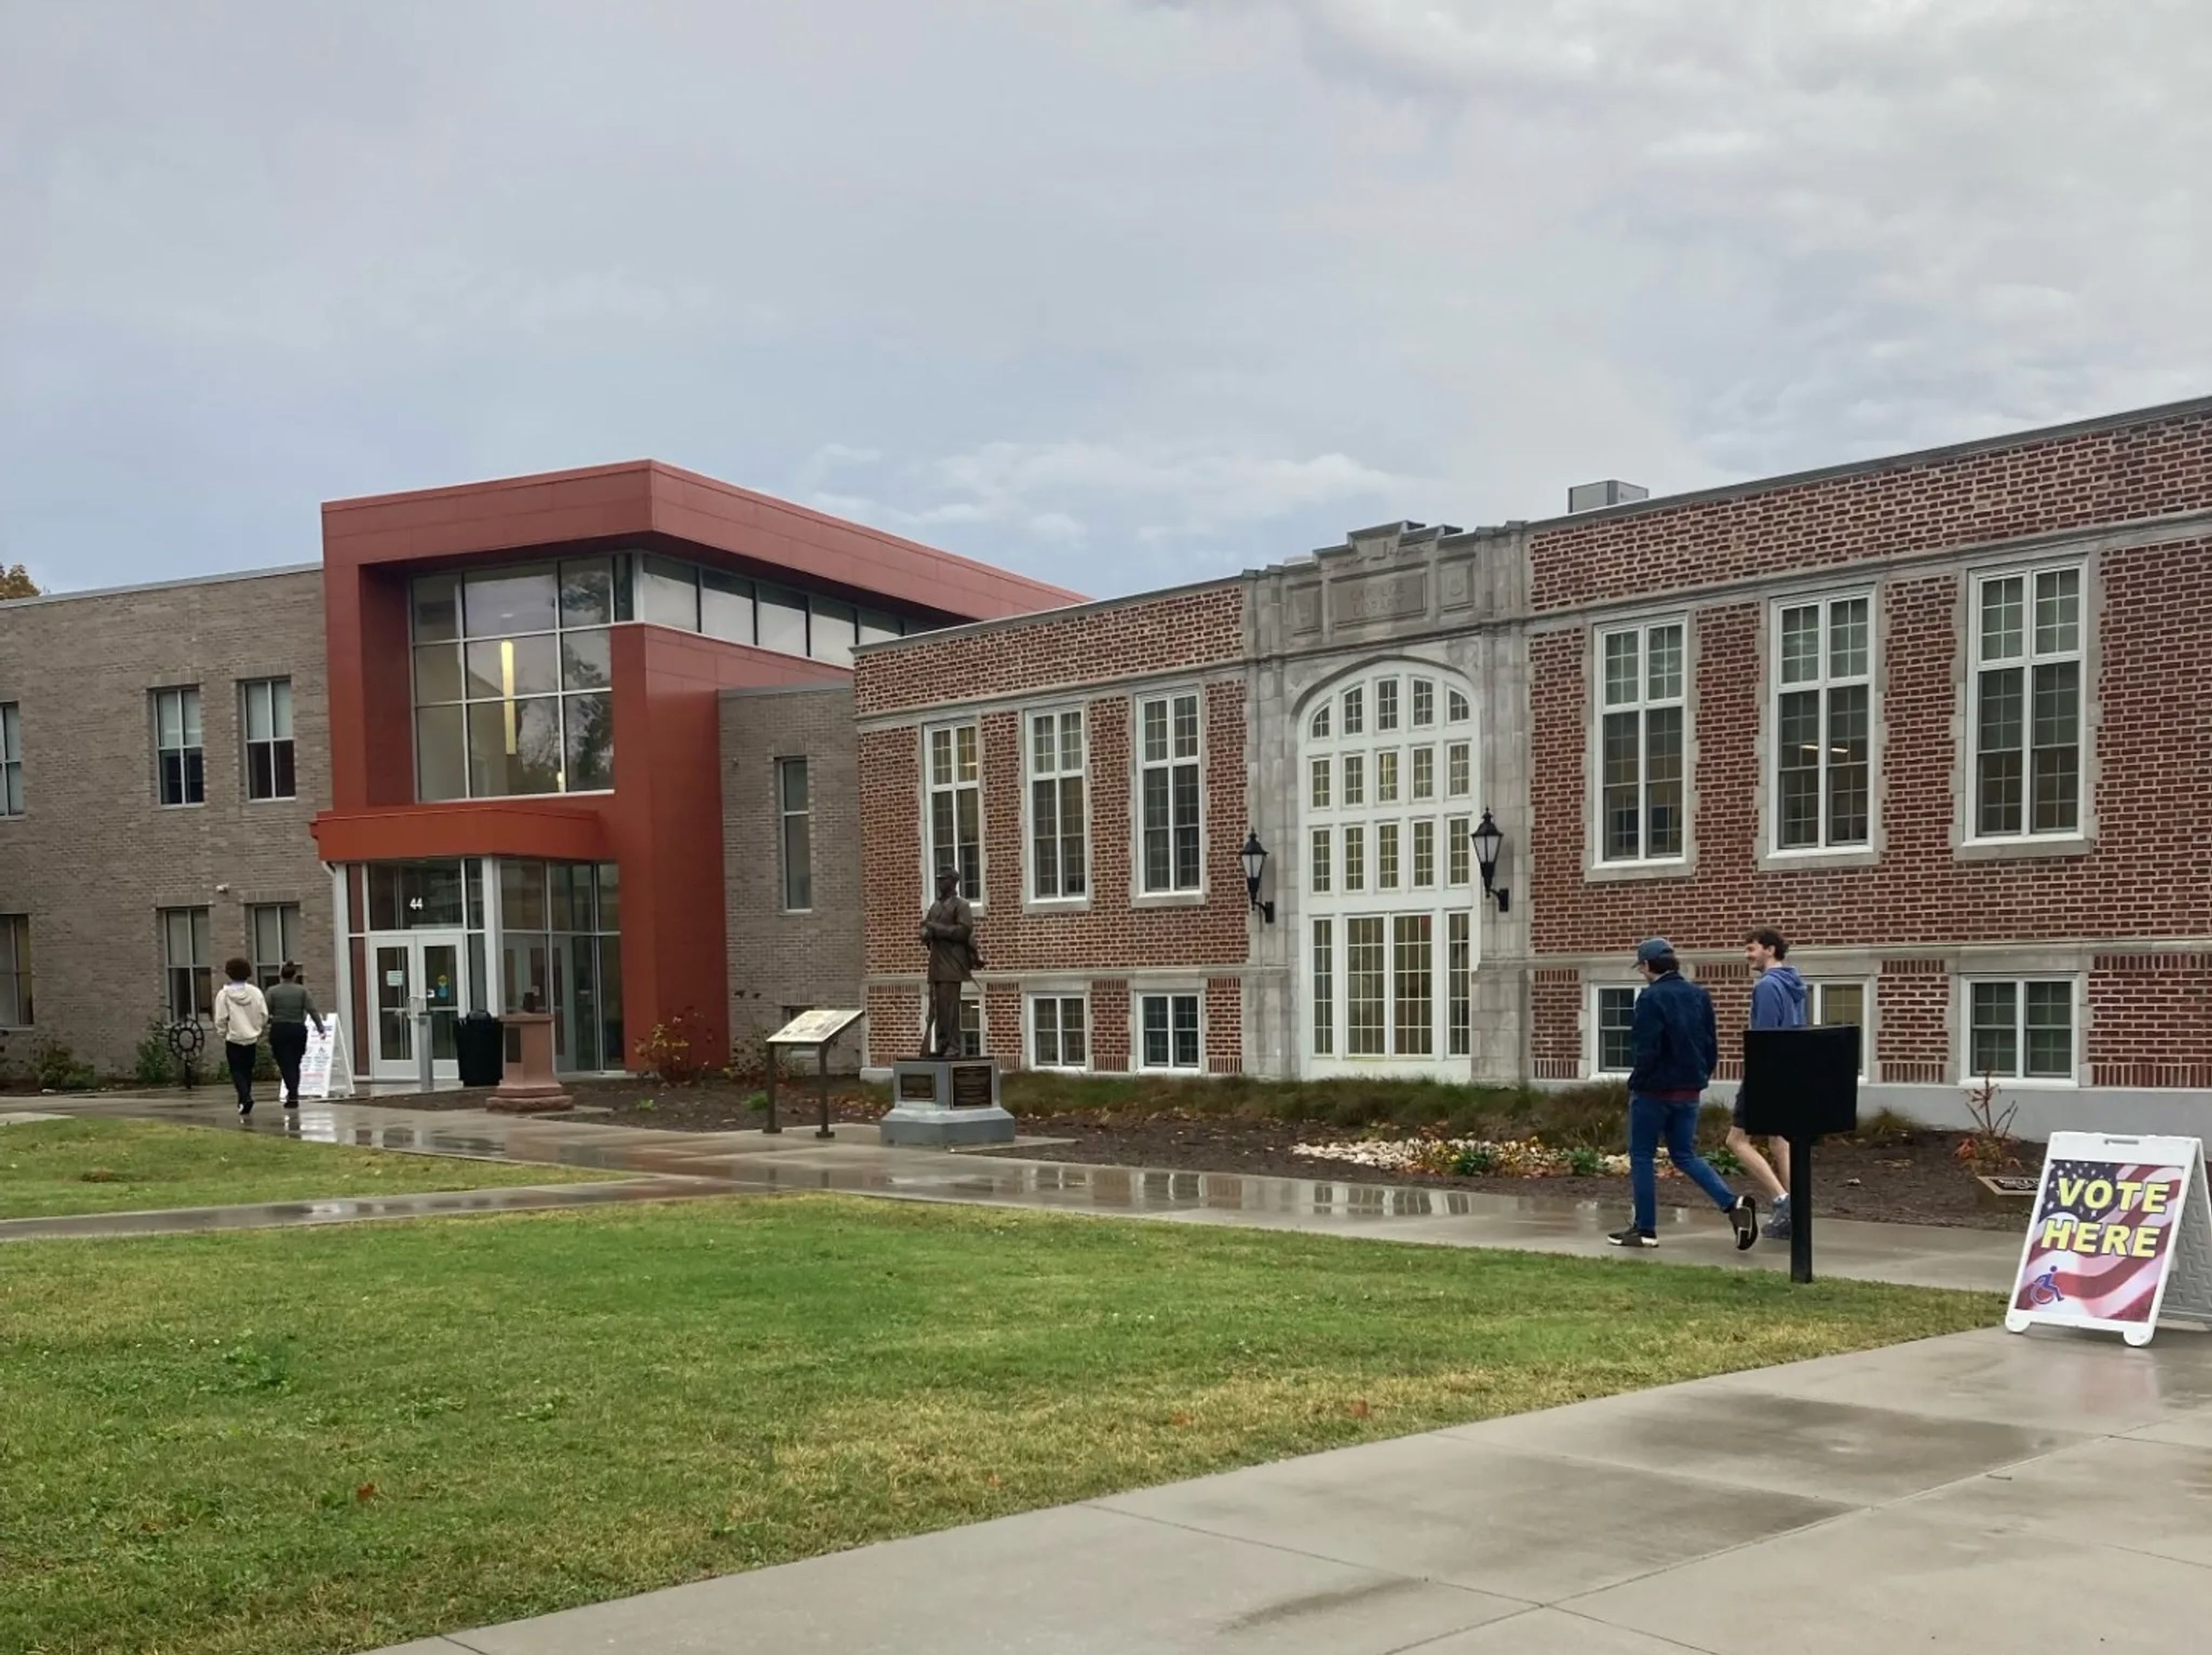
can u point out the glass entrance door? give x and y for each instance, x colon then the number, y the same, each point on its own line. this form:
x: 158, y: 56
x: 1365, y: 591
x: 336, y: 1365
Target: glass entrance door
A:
x: 431, y: 965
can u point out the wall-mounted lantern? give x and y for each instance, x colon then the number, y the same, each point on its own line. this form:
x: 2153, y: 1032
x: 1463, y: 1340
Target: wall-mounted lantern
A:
x: 1255, y: 858
x: 1489, y: 839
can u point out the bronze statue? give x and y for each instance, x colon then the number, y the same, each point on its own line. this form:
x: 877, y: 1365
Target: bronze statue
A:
x: 948, y: 931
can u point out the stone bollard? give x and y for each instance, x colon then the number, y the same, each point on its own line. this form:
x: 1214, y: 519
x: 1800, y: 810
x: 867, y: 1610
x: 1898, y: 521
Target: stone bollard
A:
x: 528, y: 1087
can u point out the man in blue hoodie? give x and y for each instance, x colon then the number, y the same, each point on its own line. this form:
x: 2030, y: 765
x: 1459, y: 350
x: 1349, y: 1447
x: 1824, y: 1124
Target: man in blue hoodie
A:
x: 1674, y: 1048
x: 1778, y: 1001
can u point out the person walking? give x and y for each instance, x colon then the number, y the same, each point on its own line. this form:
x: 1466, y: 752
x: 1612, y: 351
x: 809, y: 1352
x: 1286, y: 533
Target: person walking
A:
x: 240, y: 1015
x: 1675, y: 1048
x: 291, y: 1009
x: 1778, y: 1001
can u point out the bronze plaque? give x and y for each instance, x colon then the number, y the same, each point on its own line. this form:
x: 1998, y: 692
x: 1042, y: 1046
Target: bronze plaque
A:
x: 971, y: 1086
x: 917, y: 1086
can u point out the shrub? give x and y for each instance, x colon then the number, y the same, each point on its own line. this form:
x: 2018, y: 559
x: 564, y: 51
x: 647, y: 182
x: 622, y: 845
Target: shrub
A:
x: 675, y: 1053
x: 56, y: 1069
x: 152, y: 1064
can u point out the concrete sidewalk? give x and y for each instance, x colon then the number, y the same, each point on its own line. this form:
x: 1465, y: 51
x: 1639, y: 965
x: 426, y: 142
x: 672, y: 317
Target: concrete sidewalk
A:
x: 1987, y: 1492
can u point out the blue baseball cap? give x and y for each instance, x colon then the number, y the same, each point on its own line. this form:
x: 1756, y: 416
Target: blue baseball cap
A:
x: 1654, y: 950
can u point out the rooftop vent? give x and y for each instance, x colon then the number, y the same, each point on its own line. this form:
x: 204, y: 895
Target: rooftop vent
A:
x: 1591, y: 497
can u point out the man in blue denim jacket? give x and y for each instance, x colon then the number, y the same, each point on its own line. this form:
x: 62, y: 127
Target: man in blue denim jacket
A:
x: 1675, y: 1048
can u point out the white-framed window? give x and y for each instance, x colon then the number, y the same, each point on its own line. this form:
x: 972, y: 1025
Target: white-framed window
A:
x: 11, y: 759
x: 1060, y: 1031
x: 1059, y: 858
x: 1424, y: 854
x: 188, y: 962
x: 1366, y: 982
x: 1458, y: 847
x: 179, y: 760
x: 2022, y: 1028
x: 1167, y: 1035
x: 275, y: 928
x: 1844, y: 1002
x: 955, y: 806
x: 1823, y: 722
x: 1413, y: 985
x: 1386, y: 705
x: 2027, y: 715
x: 1613, y: 1029
x: 1458, y: 708
x: 1355, y: 857
x: 1422, y: 783
x: 1386, y: 855
x: 16, y: 1011
x: 1318, y: 795
x: 1644, y: 712
x: 1425, y: 702
x: 1459, y: 769
x: 1459, y: 976
x: 794, y: 804
x: 1170, y: 795
x: 1324, y: 988
x: 266, y: 717
x: 1317, y: 873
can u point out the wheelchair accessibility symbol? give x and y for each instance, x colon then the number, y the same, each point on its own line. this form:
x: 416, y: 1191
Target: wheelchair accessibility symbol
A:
x: 2044, y: 1290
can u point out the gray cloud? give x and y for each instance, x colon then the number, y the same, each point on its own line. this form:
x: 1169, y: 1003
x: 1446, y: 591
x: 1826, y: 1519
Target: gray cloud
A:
x: 1116, y: 294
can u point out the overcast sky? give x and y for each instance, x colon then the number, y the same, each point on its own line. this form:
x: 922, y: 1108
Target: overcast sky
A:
x: 1116, y: 293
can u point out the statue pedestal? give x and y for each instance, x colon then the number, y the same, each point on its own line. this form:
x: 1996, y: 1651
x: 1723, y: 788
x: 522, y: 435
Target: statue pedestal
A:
x: 528, y: 1087
x: 945, y: 1103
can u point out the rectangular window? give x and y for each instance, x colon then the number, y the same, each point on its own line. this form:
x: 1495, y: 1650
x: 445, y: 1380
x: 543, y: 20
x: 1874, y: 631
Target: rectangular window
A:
x: 1386, y: 856
x: 1318, y: 868
x: 1640, y: 744
x: 1425, y: 855
x: 1458, y: 844
x: 1060, y: 1034
x: 1386, y: 704
x: 1355, y: 858
x: 1169, y: 1030
x: 795, y: 818
x: 11, y: 759
x: 187, y: 960
x: 955, y: 809
x: 2027, y: 704
x: 1424, y: 773
x: 1355, y: 779
x: 1324, y: 988
x: 1838, y: 1005
x: 1458, y: 979
x: 267, y: 719
x: 1365, y: 970
x: 1823, y: 720
x: 179, y: 764
x: 275, y: 928
x: 1320, y: 794
x: 1425, y: 702
x: 1386, y: 777
x: 1412, y: 987
x: 1057, y: 813
x: 1614, y: 1012
x: 1168, y: 763
x: 2020, y: 1030
x: 1459, y: 770
x: 16, y: 1007
x: 1355, y: 717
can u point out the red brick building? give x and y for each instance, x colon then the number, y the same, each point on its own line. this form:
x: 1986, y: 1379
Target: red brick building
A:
x: 1930, y: 715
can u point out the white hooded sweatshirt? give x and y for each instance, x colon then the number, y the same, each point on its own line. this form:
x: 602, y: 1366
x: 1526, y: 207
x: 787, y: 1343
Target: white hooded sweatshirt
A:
x: 241, y: 1014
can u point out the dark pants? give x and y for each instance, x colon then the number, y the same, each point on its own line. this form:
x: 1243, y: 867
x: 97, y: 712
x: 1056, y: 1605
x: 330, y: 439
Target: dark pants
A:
x: 945, y: 1018
x: 1650, y: 1119
x: 288, y: 1043
x: 241, y: 1069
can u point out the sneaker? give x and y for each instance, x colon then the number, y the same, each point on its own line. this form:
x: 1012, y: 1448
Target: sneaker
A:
x: 1777, y: 1222
x: 245, y: 1110
x: 1632, y: 1237
x: 1745, y: 1216
x: 291, y: 1102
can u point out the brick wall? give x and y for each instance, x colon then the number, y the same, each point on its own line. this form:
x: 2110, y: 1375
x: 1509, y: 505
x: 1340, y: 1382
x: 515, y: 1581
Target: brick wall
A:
x: 1912, y: 998
x: 1116, y: 932
x: 94, y: 856
x: 2152, y: 1023
x: 779, y: 958
x: 2130, y: 471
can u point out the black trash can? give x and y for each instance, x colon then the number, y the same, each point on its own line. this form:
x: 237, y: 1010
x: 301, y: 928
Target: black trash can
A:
x: 480, y: 1049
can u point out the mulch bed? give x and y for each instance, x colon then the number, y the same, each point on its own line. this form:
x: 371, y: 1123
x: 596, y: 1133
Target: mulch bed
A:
x: 1917, y: 1181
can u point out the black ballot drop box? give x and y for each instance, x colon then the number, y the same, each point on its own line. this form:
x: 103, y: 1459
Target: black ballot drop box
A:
x: 1801, y: 1085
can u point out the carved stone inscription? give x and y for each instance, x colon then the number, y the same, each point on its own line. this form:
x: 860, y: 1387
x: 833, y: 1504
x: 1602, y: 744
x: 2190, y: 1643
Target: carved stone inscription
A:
x: 1380, y: 597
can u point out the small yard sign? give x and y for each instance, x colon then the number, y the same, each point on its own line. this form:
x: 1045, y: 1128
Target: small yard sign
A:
x: 2122, y: 1234
x: 325, y: 1068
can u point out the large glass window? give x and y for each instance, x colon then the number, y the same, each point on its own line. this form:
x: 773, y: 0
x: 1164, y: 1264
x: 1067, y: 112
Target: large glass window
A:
x: 179, y: 760
x: 187, y: 960
x: 276, y: 930
x: 266, y: 704
x: 2020, y: 1030
x: 1640, y: 742
x: 796, y: 809
x: 1823, y: 718
x: 2027, y: 704
x: 1614, y: 1015
x: 1458, y: 981
x: 511, y: 673
x: 1058, y: 867
x: 11, y: 759
x: 16, y: 1007
x: 1168, y: 1029
x: 1059, y: 1027
x: 1324, y: 988
x: 955, y: 809
x: 1168, y: 764
x: 561, y: 948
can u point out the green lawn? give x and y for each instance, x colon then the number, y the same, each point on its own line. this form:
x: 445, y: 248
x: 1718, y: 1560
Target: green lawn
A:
x: 51, y: 1167
x: 331, y: 1439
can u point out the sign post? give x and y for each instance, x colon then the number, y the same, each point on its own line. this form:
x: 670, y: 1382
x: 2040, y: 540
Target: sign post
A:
x: 1801, y: 1085
x: 2122, y: 1235
x: 818, y: 1029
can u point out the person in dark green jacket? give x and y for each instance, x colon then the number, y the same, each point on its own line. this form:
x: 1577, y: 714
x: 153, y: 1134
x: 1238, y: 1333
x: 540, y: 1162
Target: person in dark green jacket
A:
x: 291, y: 1008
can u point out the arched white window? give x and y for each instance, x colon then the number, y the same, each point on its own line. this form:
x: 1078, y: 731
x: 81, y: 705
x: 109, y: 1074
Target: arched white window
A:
x: 1387, y: 804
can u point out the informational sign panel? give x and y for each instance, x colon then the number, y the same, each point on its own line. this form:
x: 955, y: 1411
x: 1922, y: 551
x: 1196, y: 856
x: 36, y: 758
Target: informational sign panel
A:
x: 2122, y: 1235
x: 326, y: 1067
x: 812, y: 1028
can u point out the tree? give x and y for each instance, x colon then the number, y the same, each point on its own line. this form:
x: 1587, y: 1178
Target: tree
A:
x: 16, y: 582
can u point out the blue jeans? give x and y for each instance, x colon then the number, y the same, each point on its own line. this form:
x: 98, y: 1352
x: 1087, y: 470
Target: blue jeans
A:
x: 1651, y: 1119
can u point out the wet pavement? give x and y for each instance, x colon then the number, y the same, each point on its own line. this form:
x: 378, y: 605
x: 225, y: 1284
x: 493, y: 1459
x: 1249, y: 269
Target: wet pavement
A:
x: 681, y: 1165
x: 1987, y: 1492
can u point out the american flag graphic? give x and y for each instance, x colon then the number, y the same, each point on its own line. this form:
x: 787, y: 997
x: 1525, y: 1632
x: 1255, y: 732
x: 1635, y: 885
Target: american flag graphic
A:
x: 2103, y: 1285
